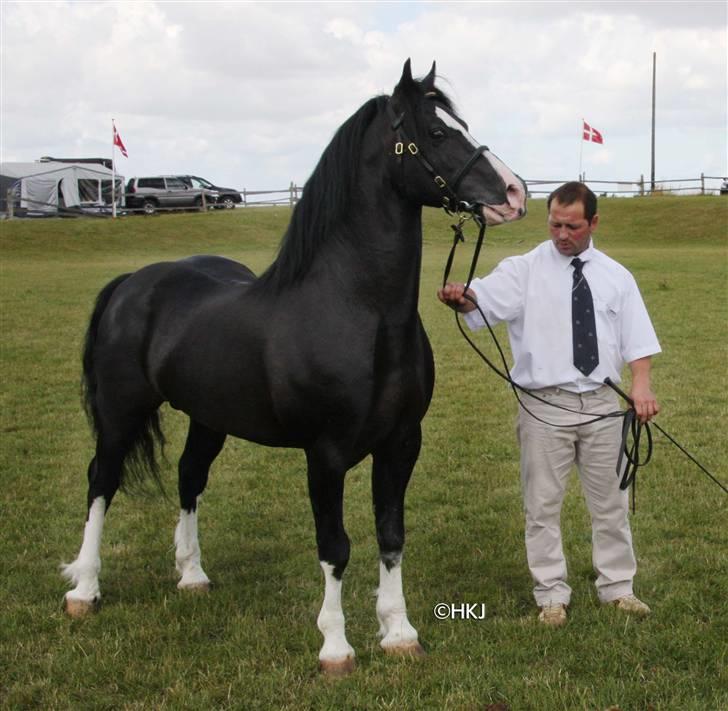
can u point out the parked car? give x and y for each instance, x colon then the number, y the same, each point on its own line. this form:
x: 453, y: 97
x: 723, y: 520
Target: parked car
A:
x: 163, y: 191
x: 228, y: 197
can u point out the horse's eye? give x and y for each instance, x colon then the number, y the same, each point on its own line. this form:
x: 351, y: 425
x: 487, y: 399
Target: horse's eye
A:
x: 437, y: 133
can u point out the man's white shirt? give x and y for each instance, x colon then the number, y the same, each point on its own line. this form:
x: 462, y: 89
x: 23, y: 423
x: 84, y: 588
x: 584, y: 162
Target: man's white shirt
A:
x: 531, y: 293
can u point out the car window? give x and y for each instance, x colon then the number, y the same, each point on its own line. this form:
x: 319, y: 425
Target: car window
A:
x: 202, y: 182
x: 175, y: 184
x: 156, y: 183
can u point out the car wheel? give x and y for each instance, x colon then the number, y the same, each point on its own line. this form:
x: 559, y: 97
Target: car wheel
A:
x: 150, y: 207
x: 227, y: 202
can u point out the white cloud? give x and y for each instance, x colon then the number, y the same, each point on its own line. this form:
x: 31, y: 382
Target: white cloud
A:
x: 248, y: 94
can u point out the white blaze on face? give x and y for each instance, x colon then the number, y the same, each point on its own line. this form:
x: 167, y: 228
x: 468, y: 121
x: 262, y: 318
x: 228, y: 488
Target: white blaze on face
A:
x: 514, y: 207
x: 449, y: 120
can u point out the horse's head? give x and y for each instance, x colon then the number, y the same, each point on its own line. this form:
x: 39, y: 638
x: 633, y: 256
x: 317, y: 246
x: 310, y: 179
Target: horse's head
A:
x: 443, y: 163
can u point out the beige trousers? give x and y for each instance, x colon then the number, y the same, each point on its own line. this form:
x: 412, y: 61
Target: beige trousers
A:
x: 547, y: 456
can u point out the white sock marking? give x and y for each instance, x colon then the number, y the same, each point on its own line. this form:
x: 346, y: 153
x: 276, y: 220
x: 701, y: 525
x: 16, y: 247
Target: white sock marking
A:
x: 84, y: 571
x: 187, y: 553
x: 394, y: 627
x: 331, y: 620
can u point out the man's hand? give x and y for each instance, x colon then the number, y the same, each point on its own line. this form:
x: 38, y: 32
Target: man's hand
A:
x: 645, y: 402
x: 453, y: 295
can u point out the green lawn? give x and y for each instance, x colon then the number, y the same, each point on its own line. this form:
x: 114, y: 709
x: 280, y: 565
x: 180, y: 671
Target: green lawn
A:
x: 252, y: 642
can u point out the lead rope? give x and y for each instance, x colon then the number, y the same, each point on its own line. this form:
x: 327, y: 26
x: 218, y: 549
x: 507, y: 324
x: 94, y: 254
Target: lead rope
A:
x: 460, y: 237
x: 629, y: 454
x: 629, y: 400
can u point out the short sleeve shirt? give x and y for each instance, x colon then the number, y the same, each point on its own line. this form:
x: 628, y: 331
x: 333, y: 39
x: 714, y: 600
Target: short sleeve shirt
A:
x: 531, y: 293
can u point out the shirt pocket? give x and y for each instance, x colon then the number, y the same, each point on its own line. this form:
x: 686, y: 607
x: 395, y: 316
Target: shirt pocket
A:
x: 608, y: 317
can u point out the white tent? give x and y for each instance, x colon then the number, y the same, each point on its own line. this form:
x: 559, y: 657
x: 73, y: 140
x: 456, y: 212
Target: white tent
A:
x: 47, y: 186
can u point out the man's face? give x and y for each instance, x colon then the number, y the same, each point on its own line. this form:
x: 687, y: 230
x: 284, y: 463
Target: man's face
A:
x: 570, y: 230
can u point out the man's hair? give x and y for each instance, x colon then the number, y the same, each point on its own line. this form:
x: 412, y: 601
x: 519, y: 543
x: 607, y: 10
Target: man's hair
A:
x: 572, y: 192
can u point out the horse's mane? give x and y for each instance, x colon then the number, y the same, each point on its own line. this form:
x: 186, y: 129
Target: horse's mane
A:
x: 325, y: 200
x: 327, y: 194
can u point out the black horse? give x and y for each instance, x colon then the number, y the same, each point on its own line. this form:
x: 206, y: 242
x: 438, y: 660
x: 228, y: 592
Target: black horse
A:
x: 324, y: 352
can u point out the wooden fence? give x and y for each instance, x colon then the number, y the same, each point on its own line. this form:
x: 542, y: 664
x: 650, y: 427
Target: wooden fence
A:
x: 289, y: 197
x: 704, y: 185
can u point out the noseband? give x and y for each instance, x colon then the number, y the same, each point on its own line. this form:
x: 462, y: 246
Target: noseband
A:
x: 450, y: 200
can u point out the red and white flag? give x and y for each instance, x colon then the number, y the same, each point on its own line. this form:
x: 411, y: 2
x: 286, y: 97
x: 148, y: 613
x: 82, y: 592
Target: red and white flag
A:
x: 118, y: 142
x: 591, y: 134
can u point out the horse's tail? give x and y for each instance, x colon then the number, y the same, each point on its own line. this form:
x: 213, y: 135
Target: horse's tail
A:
x: 140, y: 457
x: 90, y: 382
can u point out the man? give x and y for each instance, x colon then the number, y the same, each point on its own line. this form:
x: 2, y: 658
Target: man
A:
x: 574, y: 317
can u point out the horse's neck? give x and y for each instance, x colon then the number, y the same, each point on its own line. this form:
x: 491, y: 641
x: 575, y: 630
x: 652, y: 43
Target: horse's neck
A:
x: 385, y: 258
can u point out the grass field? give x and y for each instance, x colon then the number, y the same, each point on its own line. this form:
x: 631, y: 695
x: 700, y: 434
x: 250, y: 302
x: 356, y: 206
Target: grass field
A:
x: 252, y: 642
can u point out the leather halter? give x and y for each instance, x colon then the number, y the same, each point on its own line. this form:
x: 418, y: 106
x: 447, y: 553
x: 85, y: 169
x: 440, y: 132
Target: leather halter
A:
x: 451, y: 203
x: 450, y: 200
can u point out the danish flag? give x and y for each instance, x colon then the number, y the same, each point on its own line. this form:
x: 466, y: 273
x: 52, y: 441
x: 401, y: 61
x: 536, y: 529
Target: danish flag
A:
x: 118, y: 142
x: 591, y: 134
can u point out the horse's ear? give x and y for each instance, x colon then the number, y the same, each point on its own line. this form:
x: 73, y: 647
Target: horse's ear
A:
x: 407, y: 71
x: 428, y: 83
x: 406, y: 75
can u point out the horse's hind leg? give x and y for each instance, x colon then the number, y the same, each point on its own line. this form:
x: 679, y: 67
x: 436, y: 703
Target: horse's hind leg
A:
x: 126, y: 421
x: 202, y: 446
x: 392, y: 467
x: 104, y: 477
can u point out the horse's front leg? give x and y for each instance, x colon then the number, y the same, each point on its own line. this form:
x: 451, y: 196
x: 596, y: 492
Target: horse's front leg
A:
x: 391, y: 471
x: 326, y: 489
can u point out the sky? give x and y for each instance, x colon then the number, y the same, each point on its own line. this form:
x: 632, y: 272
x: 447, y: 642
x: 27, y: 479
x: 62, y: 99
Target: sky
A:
x: 248, y: 94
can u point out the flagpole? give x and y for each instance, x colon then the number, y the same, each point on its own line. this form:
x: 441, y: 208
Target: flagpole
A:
x: 652, y: 169
x: 581, y: 144
x: 113, y: 171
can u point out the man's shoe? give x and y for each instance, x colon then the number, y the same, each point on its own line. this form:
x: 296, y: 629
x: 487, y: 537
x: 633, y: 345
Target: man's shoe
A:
x: 553, y: 614
x: 632, y: 605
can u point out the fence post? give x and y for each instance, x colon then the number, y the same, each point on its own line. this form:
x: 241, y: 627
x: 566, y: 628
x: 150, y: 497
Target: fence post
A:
x: 10, y: 198
x: 245, y: 197
x: 203, y: 204
x: 291, y: 194
x: 702, y: 183
x: 642, y: 185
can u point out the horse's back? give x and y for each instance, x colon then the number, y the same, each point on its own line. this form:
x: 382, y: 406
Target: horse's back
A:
x: 164, y: 291
x: 218, y: 268
x: 158, y: 300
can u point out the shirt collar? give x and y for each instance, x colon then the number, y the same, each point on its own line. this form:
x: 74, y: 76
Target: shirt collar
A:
x: 588, y: 254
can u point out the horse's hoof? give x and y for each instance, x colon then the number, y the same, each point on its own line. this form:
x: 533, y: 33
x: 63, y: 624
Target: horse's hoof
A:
x: 337, y: 668
x: 80, y: 608
x: 406, y: 649
x: 195, y: 587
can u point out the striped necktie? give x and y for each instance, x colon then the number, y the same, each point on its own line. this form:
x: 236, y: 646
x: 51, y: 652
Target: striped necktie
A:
x: 583, y: 323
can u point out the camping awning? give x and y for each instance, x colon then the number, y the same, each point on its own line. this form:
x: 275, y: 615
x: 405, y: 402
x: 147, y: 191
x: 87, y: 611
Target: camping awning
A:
x: 40, y: 183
